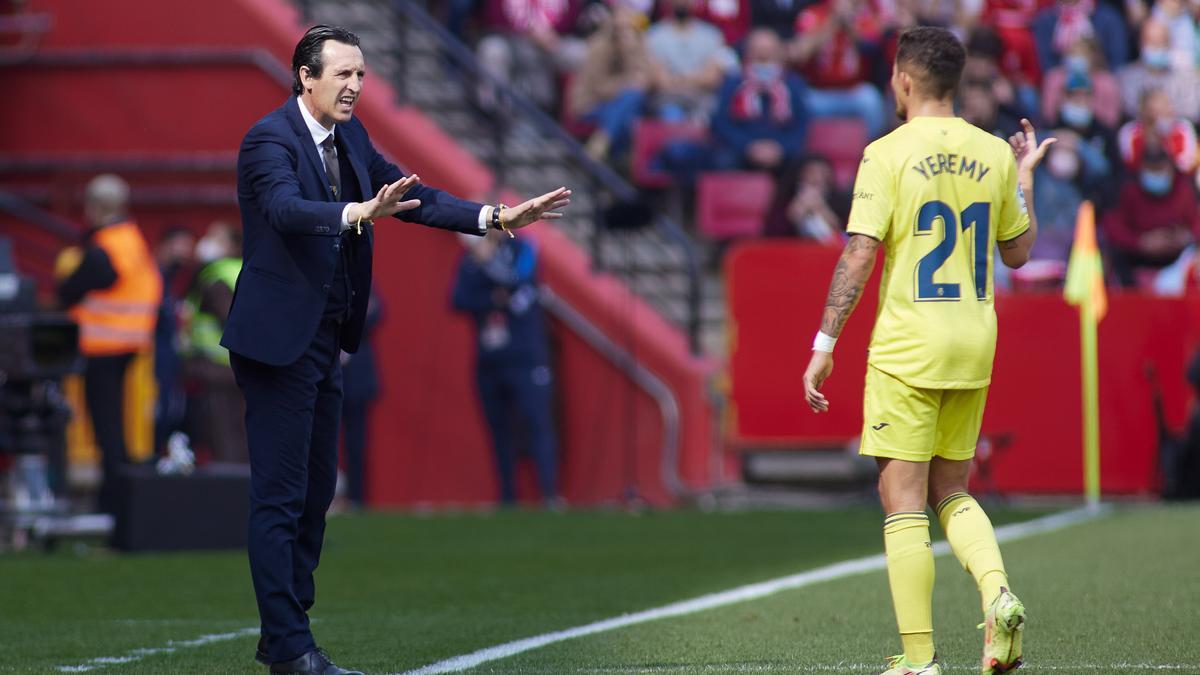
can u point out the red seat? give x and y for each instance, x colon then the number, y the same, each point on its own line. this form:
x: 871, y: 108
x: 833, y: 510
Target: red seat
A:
x: 732, y: 204
x: 842, y: 140
x: 649, y: 137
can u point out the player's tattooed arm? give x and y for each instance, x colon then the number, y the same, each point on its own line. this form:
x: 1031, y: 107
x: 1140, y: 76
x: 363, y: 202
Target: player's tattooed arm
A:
x: 849, y: 278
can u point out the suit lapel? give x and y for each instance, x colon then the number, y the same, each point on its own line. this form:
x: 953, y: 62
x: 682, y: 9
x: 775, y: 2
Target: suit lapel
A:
x: 291, y: 110
x: 360, y: 169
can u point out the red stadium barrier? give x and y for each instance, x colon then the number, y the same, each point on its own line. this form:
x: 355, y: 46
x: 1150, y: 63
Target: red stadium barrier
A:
x: 776, y: 291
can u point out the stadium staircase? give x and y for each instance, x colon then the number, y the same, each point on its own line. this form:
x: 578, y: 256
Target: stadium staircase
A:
x: 530, y: 153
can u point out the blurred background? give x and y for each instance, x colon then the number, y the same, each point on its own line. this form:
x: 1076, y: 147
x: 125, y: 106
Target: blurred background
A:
x: 645, y: 351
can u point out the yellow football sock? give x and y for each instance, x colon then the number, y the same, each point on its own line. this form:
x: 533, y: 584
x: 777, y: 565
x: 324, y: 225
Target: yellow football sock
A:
x: 973, y: 541
x: 910, y: 575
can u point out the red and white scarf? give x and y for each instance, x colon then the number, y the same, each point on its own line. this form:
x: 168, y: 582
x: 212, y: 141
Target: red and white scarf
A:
x: 1074, y: 22
x: 747, y: 100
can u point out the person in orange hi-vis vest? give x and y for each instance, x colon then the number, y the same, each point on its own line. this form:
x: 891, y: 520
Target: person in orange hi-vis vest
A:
x: 113, y: 294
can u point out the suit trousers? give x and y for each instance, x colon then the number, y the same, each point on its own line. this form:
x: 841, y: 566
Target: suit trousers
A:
x: 292, y: 417
x: 104, y: 391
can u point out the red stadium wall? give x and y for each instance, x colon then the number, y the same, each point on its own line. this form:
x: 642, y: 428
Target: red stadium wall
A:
x: 1035, y: 396
x: 427, y: 439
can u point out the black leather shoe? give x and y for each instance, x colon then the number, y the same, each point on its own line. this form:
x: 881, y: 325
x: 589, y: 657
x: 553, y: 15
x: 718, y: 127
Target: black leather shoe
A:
x: 315, y: 662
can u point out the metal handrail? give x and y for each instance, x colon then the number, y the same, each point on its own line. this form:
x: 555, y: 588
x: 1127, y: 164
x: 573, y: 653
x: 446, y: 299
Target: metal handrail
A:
x: 644, y: 378
x: 464, y: 59
x: 23, y: 210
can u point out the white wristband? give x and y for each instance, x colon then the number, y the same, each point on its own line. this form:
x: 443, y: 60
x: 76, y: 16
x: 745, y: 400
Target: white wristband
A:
x: 823, y: 343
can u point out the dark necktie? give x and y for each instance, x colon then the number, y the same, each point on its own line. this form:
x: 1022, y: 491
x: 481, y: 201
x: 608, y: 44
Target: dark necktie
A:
x: 332, y: 171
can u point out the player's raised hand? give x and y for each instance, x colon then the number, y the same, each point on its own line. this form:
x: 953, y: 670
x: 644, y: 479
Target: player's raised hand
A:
x: 1027, y: 149
x: 819, y: 368
x: 528, y: 212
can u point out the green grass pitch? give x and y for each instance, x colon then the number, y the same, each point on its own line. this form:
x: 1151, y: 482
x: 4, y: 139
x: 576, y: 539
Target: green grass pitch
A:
x: 396, y: 592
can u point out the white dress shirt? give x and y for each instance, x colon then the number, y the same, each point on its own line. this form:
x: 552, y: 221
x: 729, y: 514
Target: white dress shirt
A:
x: 320, y: 133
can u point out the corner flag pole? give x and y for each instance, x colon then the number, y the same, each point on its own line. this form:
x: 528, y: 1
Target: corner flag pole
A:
x: 1091, y: 405
x: 1085, y: 289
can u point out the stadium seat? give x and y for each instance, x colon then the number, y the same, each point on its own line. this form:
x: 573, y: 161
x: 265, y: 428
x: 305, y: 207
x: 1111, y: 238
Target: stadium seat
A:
x: 649, y: 136
x: 842, y: 140
x: 732, y: 204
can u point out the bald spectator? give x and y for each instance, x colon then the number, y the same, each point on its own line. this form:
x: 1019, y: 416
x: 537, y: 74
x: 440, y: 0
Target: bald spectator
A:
x: 1058, y: 27
x: 1156, y: 117
x: 114, y: 295
x: 762, y: 119
x: 1154, y: 70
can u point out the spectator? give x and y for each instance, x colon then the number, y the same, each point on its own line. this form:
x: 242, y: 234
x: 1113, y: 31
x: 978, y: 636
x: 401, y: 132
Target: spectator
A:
x: 979, y: 107
x: 1085, y: 61
x: 777, y: 15
x: 529, y: 42
x: 496, y: 285
x: 1156, y: 217
x: 835, y: 49
x: 689, y: 60
x: 114, y: 295
x: 1059, y: 194
x: 360, y: 388
x: 808, y: 204
x: 1058, y: 27
x: 1157, y: 116
x: 216, y: 410
x: 984, y: 50
x: 610, y: 89
x: 1101, y: 167
x: 1011, y: 20
x: 1153, y: 70
x: 173, y: 254
x: 761, y: 120
x: 1177, y: 17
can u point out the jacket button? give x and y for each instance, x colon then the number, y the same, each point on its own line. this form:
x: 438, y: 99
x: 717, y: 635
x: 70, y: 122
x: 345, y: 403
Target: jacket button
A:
x: 325, y: 288
x: 337, y: 246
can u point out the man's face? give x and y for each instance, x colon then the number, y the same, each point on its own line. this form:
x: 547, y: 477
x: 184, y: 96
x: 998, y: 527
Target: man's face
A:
x: 333, y: 95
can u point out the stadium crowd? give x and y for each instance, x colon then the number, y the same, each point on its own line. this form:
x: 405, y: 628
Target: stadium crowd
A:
x: 794, y: 89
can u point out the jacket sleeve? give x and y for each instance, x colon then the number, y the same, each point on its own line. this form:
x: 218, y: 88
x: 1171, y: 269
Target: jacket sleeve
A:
x: 267, y: 175
x: 95, y: 271
x: 438, y: 209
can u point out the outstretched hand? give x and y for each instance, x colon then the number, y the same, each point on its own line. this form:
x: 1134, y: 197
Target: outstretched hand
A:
x: 388, y: 201
x: 528, y: 212
x: 1027, y: 149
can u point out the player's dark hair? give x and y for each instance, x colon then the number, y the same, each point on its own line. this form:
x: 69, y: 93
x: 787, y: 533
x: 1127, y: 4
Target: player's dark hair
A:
x: 308, y: 51
x: 936, y: 55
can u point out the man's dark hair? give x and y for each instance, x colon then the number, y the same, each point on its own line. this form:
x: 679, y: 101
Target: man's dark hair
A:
x: 937, y: 57
x: 308, y: 51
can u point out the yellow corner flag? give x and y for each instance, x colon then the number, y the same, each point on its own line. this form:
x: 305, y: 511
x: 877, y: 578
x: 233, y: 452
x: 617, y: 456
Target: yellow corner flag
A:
x: 1085, y: 289
x: 1085, y: 272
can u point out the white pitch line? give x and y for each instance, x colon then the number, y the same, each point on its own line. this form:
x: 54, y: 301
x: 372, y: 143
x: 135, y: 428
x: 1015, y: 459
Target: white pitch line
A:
x: 171, y: 647
x: 755, y: 591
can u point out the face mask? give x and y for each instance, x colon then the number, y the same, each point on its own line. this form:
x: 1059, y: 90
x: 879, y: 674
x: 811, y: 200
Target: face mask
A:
x: 1157, y: 183
x: 208, y: 250
x: 681, y: 12
x: 765, y: 72
x: 1077, y: 63
x: 1063, y: 164
x: 1077, y: 116
x: 1158, y: 59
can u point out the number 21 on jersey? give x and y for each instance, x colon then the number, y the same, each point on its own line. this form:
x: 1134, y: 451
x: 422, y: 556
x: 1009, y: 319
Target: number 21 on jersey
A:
x: 975, y: 218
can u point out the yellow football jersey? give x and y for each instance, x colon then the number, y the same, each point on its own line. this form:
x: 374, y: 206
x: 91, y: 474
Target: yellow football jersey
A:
x: 939, y: 193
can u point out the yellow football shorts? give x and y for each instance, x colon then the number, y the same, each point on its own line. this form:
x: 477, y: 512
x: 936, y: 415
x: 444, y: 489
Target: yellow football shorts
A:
x: 908, y: 423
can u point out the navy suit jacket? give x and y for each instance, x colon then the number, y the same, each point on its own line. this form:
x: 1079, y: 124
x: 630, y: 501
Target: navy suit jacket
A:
x: 291, y: 226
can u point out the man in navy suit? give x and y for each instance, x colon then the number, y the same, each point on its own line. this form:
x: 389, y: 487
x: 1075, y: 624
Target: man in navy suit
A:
x: 310, y: 185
